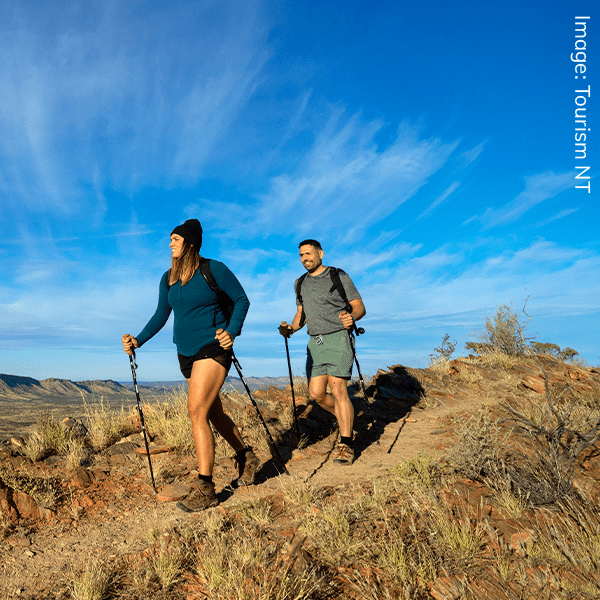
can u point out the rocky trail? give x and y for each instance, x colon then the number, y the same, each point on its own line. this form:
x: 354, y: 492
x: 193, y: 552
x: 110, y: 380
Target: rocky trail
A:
x: 107, y: 507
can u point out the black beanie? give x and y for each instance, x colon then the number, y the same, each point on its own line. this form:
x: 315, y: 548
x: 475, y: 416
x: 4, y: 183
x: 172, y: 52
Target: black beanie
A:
x: 190, y: 231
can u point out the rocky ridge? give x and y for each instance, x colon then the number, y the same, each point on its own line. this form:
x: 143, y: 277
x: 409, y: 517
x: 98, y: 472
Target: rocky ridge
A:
x: 106, y: 506
x: 16, y: 386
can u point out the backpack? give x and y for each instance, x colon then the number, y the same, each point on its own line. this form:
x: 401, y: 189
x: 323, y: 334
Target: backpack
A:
x: 334, y: 273
x: 224, y: 301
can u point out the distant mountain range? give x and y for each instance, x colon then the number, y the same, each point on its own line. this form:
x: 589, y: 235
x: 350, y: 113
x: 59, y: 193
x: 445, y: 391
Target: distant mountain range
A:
x: 254, y: 383
x: 16, y: 385
x: 12, y: 386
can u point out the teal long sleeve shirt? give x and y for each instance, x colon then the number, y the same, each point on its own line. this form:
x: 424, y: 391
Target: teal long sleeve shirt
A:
x: 196, y: 310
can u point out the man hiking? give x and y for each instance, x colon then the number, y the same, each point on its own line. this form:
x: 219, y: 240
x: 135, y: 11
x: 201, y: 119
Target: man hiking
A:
x: 329, y: 354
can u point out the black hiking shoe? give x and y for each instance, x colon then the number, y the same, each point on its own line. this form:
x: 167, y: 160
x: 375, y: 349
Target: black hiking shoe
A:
x: 247, y: 463
x: 200, y: 498
x: 344, y: 455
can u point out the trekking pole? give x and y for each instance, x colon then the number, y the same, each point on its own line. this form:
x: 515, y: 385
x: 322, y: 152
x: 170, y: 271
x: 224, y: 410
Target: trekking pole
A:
x: 239, y: 370
x: 287, y: 351
x: 139, y: 406
x: 359, y: 331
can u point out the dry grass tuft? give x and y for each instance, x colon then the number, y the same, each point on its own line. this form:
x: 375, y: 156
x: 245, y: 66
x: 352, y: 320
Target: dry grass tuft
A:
x: 169, y: 420
x: 106, y: 423
x: 93, y: 583
x: 45, y: 491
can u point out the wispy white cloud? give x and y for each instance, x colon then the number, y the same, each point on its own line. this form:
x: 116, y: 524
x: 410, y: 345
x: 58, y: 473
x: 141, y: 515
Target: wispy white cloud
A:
x: 98, y: 106
x: 441, y: 198
x: 344, y: 183
x: 538, y: 189
x: 447, y: 282
x: 464, y: 159
x: 561, y: 215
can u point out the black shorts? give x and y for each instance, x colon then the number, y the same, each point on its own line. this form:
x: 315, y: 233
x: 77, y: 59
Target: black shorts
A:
x: 212, y: 350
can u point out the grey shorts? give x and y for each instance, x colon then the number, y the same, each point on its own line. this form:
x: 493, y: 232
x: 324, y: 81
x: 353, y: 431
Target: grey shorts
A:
x: 329, y: 354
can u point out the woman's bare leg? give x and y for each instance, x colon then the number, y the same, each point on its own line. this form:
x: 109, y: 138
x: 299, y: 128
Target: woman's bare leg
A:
x: 204, y: 384
x: 223, y: 423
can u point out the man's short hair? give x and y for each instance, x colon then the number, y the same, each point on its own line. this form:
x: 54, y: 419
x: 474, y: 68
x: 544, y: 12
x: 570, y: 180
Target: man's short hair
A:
x: 313, y: 243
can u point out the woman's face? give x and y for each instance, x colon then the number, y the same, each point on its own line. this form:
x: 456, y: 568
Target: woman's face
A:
x: 176, y: 245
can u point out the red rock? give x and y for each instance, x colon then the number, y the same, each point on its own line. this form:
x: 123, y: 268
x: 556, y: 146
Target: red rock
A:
x: 447, y: 588
x: 28, y: 509
x: 534, y: 383
x: 173, y: 493
x: 81, y: 477
x: 521, y: 540
x: 6, y: 504
x: 490, y: 589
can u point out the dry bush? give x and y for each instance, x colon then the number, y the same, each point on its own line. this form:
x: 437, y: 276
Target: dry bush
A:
x: 255, y: 512
x: 497, y: 360
x: 50, y: 437
x: 301, y: 386
x: 477, y: 451
x: 237, y: 564
x: 422, y: 472
x: 408, y: 559
x: 468, y: 377
x: 300, y: 494
x: 106, y: 423
x: 558, y: 431
x: 503, y: 334
x: 46, y: 491
x: 539, y: 477
x: 76, y: 453
x: 169, y: 420
x: 570, y: 537
x: 439, y: 365
x: 93, y: 583
x: 35, y: 448
x: 458, y: 538
x: 331, y: 528
x: 554, y: 350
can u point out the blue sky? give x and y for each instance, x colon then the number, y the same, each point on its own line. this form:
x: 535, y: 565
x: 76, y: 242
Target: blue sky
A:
x: 429, y: 147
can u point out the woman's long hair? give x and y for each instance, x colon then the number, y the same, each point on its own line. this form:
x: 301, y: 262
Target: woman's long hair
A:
x: 185, y: 266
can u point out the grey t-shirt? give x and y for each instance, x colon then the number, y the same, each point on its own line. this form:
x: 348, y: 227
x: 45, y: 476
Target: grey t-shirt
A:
x: 322, y: 306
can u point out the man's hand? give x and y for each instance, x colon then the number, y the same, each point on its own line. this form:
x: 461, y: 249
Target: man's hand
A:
x: 347, y: 320
x: 129, y: 343
x: 225, y: 339
x: 285, y: 330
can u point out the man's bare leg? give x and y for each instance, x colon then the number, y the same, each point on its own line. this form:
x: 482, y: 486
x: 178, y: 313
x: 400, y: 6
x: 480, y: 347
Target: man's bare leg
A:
x: 337, y: 403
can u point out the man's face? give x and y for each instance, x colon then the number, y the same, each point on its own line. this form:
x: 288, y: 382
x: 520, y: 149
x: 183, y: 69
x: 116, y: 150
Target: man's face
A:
x: 311, y: 257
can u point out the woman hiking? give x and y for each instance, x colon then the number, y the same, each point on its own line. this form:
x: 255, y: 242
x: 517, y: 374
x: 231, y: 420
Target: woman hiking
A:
x: 204, y: 341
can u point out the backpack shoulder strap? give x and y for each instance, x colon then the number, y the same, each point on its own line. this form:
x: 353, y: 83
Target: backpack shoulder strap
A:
x: 299, y: 287
x: 337, y: 285
x: 208, y: 276
x: 206, y: 273
x: 299, y: 298
x: 225, y: 302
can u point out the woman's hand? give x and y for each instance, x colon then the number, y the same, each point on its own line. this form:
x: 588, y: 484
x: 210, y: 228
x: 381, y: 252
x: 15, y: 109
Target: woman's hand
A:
x: 225, y: 339
x: 129, y: 344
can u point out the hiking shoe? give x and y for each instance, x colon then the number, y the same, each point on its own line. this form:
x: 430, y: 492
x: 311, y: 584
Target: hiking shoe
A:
x: 344, y: 455
x: 247, y: 464
x: 200, y: 498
